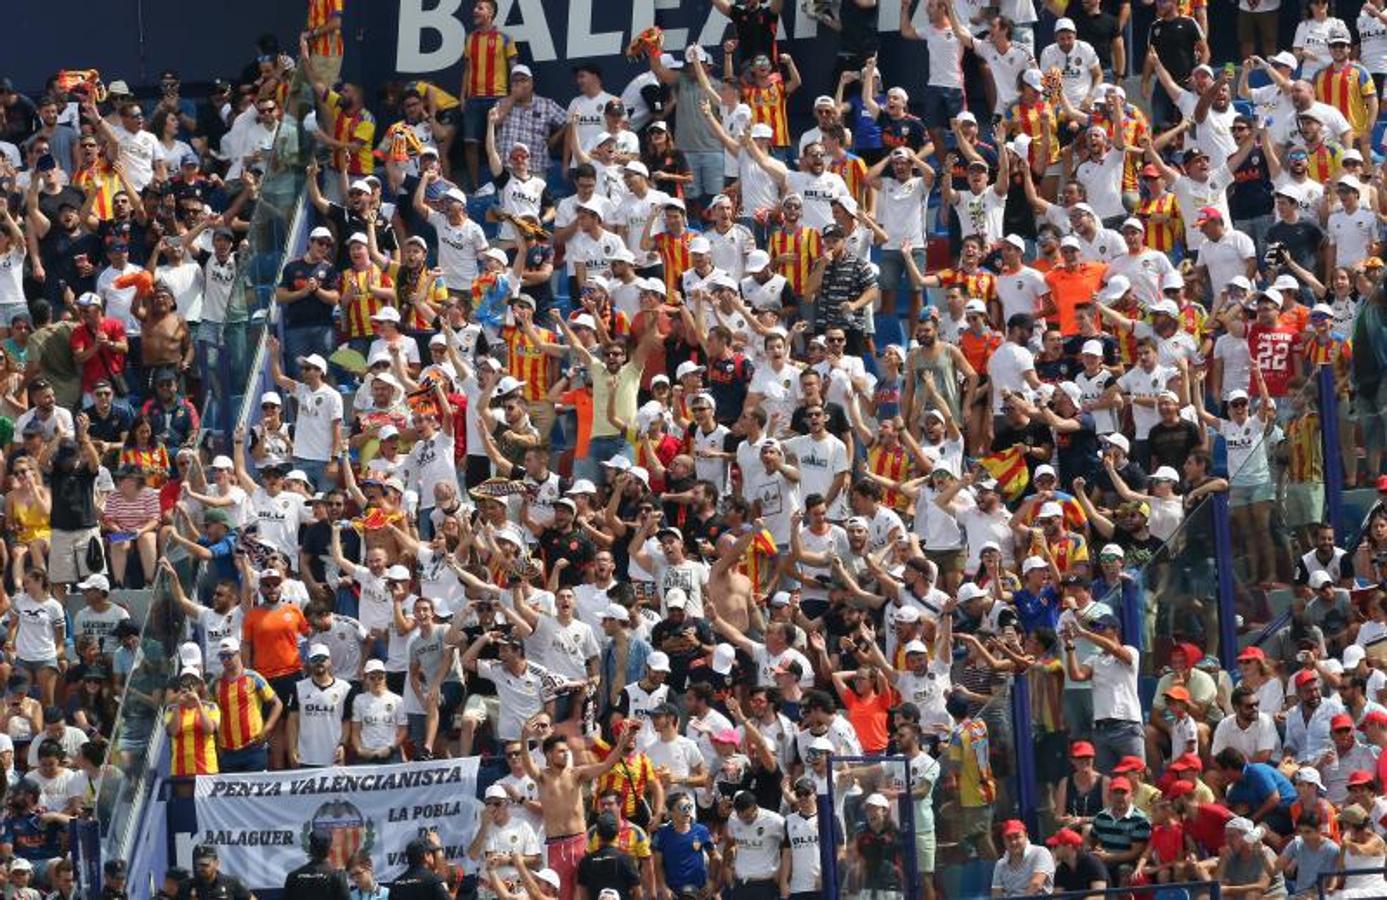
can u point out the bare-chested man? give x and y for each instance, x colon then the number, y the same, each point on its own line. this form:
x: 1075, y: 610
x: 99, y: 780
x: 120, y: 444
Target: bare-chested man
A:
x: 729, y: 589
x: 561, y: 791
x: 166, y: 342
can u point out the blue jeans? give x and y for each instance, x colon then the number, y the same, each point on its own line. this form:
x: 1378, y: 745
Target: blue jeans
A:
x: 1257, y: 230
x: 601, y: 449
x: 304, y: 340
x: 706, y: 166
x: 247, y: 759
x: 315, y: 469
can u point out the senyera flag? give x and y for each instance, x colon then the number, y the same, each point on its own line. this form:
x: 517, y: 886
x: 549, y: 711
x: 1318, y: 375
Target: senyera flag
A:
x: 1009, y: 468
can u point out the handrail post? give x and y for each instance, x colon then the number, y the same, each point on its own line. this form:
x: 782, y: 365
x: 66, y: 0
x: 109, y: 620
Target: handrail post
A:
x: 1333, y: 461
x: 1223, y: 559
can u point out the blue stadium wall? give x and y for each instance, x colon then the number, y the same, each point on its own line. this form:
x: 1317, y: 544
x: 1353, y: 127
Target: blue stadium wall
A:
x: 401, y: 39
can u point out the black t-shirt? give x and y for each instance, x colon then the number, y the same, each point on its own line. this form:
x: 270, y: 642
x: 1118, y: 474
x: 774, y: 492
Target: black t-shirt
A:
x: 308, y: 310
x: 112, y: 427
x: 683, y: 643
x: 1250, y: 194
x: 346, y: 223
x: 60, y: 251
x: 1301, y: 239
x: 837, y: 420
x: 128, y: 231
x: 1174, y: 41
x: 608, y: 867
x: 1086, y: 870
x: 907, y: 131
x: 74, y: 503
x: 1170, y: 445
x: 1053, y: 371
x: 672, y: 162
x: 1077, y: 451
x: 418, y: 883
x: 573, y: 546
x: 49, y: 203
x: 728, y: 381
x: 221, y: 887
x: 316, y: 541
x: 1138, y: 550
x: 859, y: 35
x: 317, y: 881
x: 1099, y: 30
x: 755, y: 30
x: 1034, y: 433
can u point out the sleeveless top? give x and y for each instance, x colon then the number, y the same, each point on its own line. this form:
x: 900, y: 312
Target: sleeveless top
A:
x: 32, y: 522
x: 1372, y: 884
x: 1082, y: 803
x: 945, y: 380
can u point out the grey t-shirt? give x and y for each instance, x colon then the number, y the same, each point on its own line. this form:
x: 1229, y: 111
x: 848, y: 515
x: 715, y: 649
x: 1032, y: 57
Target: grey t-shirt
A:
x: 1310, y: 863
x: 1014, y: 880
x: 694, y: 134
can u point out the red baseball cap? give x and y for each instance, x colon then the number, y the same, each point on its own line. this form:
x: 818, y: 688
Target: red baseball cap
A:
x: 1120, y: 784
x: 1013, y: 826
x: 1251, y: 653
x: 1065, y: 837
x: 1306, y: 676
x: 1341, y: 721
x: 1179, y: 789
x: 1208, y: 214
x: 1082, y: 749
x: 1187, y: 762
x: 1129, y: 764
x: 1382, y: 482
x: 1150, y: 171
x: 1376, y: 717
x: 1360, y: 777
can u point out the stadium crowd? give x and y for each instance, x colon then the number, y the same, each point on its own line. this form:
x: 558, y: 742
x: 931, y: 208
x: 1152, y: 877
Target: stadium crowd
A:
x: 654, y: 449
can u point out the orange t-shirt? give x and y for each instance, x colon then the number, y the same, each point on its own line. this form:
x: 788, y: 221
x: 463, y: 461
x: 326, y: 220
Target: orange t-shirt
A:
x: 581, y: 401
x: 273, y: 634
x: 868, y: 718
x: 1071, y: 287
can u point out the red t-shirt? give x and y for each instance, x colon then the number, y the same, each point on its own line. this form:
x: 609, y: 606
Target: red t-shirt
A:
x: 868, y: 718
x: 105, y: 363
x: 1274, y: 352
x: 1206, y: 828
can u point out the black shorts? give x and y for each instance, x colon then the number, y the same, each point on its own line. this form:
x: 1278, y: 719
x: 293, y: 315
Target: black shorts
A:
x: 285, y: 686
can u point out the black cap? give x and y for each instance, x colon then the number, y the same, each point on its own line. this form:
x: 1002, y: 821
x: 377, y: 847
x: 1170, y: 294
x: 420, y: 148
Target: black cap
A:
x: 205, y: 851
x: 615, y: 108
x: 125, y: 629
x: 805, y: 783
x: 1074, y: 579
x: 53, y: 713
x: 96, y: 673
x: 168, y: 75
x: 114, y: 868
x: 1192, y: 154
x: 6, y: 85
x: 743, y: 801
x: 832, y: 231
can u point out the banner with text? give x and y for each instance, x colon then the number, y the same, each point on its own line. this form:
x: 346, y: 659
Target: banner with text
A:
x: 260, y: 822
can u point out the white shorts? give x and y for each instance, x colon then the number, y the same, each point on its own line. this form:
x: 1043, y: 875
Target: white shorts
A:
x: 67, y: 555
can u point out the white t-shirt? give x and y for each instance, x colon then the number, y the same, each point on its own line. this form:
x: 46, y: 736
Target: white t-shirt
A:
x: 1076, y: 68
x: 759, y: 189
x: 1192, y: 196
x: 900, y: 211
x: 278, y: 518
x: 429, y: 464
x: 1215, y: 134
x: 1138, y: 382
x: 818, y: 192
x: 632, y: 214
x: 1236, y: 357
x: 591, y: 116
x: 1227, y: 257
x: 945, y: 56
x: 522, y: 696
x: 1261, y: 735
x: 802, y: 837
x: 729, y: 250
x: 1247, y: 451
x: 766, y: 662
x: 819, y: 463
x: 1115, y: 687
x: 34, y: 640
x: 119, y: 301
x: 12, y: 278
x: 708, y: 469
x: 1006, y: 67
x: 217, y: 281
x: 833, y: 541
x: 458, y: 249
x: 778, y: 496
x: 378, y: 717
x: 564, y: 649
x: 1105, y: 244
x: 1007, y: 369
x: 1021, y: 292
x: 1144, y: 270
x: 1372, y: 36
x: 317, y: 411
x: 758, y: 845
x: 1103, y: 180
x: 100, y: 625
x: 680, y: 756
x: 137, y: 151
x: 1352, y: 235
x: 215, y: 626
x: 980, y: 214
x: 321, y: 711
x: 1091, y: 389
x: 779, y: 391
x: 1312, y: 38
x: 595, y: 253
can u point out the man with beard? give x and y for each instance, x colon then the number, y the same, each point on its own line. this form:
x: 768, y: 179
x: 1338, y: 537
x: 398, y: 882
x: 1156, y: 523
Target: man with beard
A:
x: 932, y: 378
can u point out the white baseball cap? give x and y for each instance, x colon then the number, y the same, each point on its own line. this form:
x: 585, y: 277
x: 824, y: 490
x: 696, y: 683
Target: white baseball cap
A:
x: 657, y: 661
x: 1065, y: 24
x: 1032, y: 563
x: 724, y: 655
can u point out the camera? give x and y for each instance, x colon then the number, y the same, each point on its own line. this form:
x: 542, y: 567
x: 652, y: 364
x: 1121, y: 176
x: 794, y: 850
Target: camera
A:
x: 1275, y: 255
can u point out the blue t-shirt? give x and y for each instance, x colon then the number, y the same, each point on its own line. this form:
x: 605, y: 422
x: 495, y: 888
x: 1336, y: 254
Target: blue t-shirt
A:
x: 223, y: 560
x: 684, y: 855
x: 31, y: 839
x: 1040, y: 610
x: 1258, y: 782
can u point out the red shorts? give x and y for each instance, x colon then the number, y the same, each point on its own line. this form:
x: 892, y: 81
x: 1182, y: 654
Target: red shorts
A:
x: 564, y: 854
